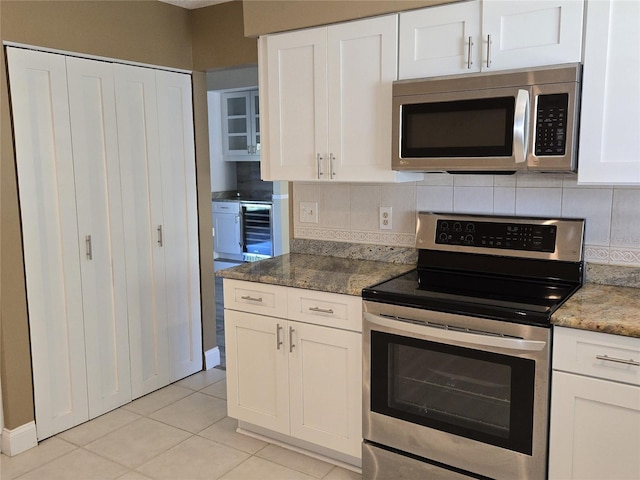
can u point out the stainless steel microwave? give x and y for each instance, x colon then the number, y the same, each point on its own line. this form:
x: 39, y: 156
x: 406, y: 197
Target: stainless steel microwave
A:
x: 518, y: 120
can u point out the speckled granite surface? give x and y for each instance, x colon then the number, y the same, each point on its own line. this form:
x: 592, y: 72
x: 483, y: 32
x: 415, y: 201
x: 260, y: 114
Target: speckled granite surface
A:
x: 317, y: 272
x: 602, y: 308
x: 608, y: 302
x: 356, y: 251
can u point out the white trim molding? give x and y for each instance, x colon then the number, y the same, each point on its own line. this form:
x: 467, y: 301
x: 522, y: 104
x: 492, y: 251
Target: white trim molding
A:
x: 612, y: 255
x: 19, y: 439
x: 211, y: 358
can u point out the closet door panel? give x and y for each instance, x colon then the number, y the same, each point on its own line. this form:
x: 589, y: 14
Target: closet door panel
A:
x: 100, y: 232
x: 142, y: 215
x: 38, y: 86
x: 180, y: 227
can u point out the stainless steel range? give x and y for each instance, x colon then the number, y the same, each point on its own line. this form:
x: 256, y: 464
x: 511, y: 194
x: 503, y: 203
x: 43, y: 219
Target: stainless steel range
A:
x: 457, y: 352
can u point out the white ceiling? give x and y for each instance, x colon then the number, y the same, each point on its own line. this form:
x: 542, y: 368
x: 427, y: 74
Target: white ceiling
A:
x: 191, y: 4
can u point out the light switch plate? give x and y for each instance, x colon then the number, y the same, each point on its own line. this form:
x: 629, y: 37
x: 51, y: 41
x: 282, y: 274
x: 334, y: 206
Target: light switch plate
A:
x: 308, y: 212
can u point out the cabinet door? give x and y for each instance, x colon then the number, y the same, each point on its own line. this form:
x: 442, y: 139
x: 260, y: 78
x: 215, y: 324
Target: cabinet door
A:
x: 441, y: 40
x: 257, y: 372
x: 40, y: 108
x: 519, y: 34
x: 362, y: 60
x: 236, y: 124
x: 227, y: 234
x: 179, y: 233
x: 595, y: 429
x: 100, y: 232
x: 326, y: 387
x: 255, y: 120
x: 610, y: 118
x: 297, y: 90
x: 141, y: 181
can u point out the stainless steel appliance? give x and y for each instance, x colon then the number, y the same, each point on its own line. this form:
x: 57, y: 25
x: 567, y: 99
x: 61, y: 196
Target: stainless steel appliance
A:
x: 519, y: 120
x: 256, y: 231
x: 457, y: 352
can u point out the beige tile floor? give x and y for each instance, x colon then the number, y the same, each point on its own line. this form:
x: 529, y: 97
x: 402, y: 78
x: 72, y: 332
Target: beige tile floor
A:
x: 180, y: 432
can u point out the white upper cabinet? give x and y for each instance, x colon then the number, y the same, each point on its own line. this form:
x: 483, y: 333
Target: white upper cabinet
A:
x: 328, y: 102
x: 440, y: 40
x: 485, y: 35
x: 241, y: 125
x: 610, y: 118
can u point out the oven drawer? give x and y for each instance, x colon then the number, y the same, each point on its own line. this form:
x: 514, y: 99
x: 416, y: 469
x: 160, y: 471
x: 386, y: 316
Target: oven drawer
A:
x: 252, y: 297
x: 381, y: 464
x: 600, y: 355
x: 327, y: 309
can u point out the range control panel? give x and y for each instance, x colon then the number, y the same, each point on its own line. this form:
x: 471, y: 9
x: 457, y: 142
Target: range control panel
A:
x: 516, y: 236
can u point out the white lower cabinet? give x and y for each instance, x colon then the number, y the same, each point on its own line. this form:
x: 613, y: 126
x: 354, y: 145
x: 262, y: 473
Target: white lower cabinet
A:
x: 595, y: 406
x: 300, y: 379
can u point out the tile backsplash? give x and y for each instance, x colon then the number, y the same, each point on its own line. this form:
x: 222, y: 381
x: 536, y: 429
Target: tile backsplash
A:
x: 348, y: 212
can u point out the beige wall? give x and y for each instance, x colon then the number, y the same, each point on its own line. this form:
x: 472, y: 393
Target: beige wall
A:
x: 141, y: 31
x: 269, y: 16
x: 218, y: 37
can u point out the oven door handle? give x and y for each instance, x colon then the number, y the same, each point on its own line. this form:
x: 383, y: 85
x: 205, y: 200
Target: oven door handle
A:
x: 455, y: 336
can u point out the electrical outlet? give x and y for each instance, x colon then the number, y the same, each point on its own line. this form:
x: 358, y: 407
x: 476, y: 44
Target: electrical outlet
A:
x: 308, y: 212
x: 386, y: 220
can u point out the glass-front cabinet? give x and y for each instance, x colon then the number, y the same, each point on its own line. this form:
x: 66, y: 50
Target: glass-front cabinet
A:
x: 241, y: 125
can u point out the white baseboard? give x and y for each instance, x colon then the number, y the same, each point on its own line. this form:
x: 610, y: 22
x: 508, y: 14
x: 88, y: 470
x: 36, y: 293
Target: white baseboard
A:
x: 19, y: 439
x: 211, y: 358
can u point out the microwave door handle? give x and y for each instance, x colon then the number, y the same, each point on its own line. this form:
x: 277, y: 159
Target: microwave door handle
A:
x: 458, y: 337
x: 521, y: 126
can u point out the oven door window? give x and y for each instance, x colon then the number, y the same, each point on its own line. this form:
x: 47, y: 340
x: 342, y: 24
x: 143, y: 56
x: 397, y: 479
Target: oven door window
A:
x: 461, y: 128
x: 479, y: 395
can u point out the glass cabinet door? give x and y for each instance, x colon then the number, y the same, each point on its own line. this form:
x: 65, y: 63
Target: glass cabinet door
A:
x: 240, y: 123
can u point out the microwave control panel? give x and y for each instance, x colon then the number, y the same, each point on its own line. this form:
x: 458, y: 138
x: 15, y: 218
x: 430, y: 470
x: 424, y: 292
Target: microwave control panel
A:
x: 516, y: 236
x: 551, y: 125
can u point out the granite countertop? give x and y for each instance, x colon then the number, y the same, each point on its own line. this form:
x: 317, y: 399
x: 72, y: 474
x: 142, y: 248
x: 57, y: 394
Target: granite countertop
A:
x: 233, y: 196
x: 602, y: 308
x: 317, y: 272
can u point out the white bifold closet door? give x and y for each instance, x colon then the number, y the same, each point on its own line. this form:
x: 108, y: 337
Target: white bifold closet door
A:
x: 100, y: 232
x: 155, y: 131
x: 106, y: 177
x: 40, y: 109
x: 69, y: 184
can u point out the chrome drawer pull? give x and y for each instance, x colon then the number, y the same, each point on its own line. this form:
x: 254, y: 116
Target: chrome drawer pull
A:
x: 321, y: 310
x: 89, y: 247
x: 251, y: 299
x: 607, y: 358
x: 278, y: 341
x: 291, y: 345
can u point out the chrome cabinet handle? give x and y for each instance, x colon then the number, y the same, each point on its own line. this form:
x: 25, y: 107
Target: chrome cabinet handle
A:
x: 488, y: 51
x: 251, y: 299
x: 160, y: 235
x: 332, y: 171
x: 320, y: 310
x: 319, y: 159
x: 607, y: 358
x: 278, y: 341
x: 469, y: 62
x: 291, y: 345
x: 89, y: 248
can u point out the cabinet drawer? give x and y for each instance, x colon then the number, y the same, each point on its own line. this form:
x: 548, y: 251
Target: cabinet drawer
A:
x: 226, y: 207
x: 601, y: 355
x: 328, y: 309
x: 252, y: 297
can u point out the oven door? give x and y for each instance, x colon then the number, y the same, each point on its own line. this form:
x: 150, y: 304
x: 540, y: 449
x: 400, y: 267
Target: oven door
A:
x: 460, y: 391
